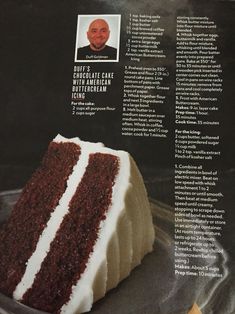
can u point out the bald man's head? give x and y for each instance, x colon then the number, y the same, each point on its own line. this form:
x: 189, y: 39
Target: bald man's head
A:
x: 98, y: 34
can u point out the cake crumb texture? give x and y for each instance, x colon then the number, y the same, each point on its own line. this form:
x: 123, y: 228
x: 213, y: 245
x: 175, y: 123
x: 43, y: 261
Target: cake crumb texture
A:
x: 19, y: 236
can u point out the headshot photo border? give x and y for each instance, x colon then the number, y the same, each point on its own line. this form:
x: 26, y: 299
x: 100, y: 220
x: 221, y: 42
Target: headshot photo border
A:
x: 82, y: 40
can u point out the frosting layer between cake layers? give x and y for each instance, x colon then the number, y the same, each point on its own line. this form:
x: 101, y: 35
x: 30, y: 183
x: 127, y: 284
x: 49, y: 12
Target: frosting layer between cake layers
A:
x: 19, y: 236
x: 99, y: 230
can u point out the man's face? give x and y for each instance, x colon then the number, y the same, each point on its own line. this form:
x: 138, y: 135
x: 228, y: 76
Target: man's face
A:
x: 98, y: 34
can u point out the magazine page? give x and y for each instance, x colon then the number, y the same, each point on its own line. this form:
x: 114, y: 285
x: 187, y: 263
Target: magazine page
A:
x: 117, y: 164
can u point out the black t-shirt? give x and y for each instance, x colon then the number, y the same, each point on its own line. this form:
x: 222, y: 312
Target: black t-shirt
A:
x: 86, y: 53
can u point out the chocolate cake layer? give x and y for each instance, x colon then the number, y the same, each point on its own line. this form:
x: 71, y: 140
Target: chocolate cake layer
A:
x: 19, y: 236
x: 74, y: 241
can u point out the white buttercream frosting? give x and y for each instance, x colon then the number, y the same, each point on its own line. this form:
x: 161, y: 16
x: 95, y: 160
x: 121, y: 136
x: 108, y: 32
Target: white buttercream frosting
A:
x: 48, y: 234
x: 122, y: 220
x: 84, y: 286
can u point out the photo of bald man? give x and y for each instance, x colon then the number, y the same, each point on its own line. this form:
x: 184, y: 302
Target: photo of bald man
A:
x: 97, y: 34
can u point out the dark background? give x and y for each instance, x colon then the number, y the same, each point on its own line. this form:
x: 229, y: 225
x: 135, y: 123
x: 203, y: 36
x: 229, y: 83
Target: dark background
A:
x: 37, y: 58
x: 37, y: 43
x: 37, y: 52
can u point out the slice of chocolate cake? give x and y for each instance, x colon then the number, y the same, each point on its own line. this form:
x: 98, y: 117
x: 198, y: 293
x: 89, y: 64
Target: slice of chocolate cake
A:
x: 81, y: 224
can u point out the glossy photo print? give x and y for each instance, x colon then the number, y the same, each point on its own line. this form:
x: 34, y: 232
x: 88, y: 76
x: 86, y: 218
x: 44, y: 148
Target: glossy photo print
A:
x: 98, y: 38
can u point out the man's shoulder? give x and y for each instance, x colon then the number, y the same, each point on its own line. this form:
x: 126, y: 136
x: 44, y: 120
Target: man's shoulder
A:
x: 111, y: 52
x: 86, y: 53
x: 83, y: 52
x: 109, y: 48
x: 84, y: 49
